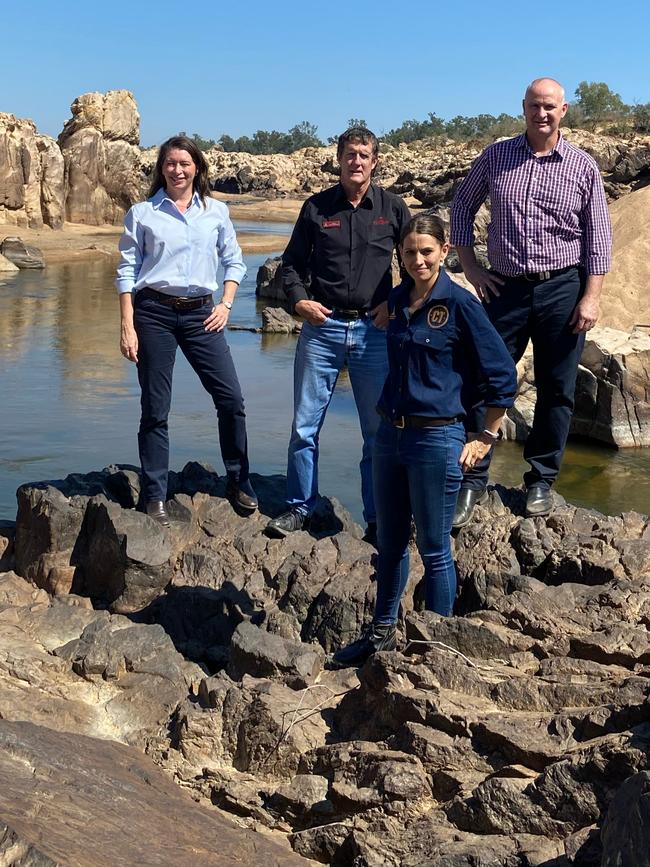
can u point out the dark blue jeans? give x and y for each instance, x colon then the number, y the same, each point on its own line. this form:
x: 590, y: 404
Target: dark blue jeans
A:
x: 160, y: 330
x: 416, y: 473
x: 540, y: 312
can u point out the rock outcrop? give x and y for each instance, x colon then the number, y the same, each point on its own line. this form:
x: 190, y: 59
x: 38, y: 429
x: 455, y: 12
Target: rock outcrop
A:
x: 612, y: 402
x: 102, y: 159
x: 31, y: 176
x: 509, y: 734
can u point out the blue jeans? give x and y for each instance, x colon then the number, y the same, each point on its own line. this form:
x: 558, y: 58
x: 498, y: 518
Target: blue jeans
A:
x: 416, y: 472
x: 321, y: 353
x: 540, y: 312
x: 160, y: 330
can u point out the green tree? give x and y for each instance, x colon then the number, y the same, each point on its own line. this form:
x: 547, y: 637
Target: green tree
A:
x: 304, y: 135
x: 356, y: 121
x: 203, y: 144
x: 598, y: 102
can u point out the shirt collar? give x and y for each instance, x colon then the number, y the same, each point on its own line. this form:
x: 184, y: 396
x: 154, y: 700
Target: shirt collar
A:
x: 441, y: 291
x: 161, y: 196
x: 368, y: 201
x: 522, y: 142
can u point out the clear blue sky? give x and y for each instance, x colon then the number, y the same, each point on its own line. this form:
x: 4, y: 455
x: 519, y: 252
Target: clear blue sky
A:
x: 235, y: 67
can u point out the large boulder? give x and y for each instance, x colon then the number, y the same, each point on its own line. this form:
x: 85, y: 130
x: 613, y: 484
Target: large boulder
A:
x: 69, y: 799
x: 102, y: 158
x: 612, y: 400
x: 31, y: 175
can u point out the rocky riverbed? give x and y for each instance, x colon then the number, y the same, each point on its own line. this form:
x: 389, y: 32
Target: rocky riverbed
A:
x: 516, y: 733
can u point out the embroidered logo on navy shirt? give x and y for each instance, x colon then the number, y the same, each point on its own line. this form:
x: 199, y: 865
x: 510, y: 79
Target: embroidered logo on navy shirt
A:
x: 380, y: 221
x: 331, y: 224
x: 438, y: 316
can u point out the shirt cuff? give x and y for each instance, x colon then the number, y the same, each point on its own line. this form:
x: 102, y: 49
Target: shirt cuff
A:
x: 235, y: 272
x: 296, y: 294
x: 597, y: 265
x: 124, y: 286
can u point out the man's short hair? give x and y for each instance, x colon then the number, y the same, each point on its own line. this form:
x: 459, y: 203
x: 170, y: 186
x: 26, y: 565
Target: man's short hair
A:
x: 357, y: 134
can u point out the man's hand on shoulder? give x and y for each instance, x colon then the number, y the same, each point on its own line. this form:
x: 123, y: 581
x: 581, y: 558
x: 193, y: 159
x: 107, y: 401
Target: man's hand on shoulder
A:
x: 313, y: 311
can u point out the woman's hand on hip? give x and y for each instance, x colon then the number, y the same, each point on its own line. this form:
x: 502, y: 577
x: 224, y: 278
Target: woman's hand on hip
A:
x: 473, y: 451
x: 217, y: 320
x: 129, y: 342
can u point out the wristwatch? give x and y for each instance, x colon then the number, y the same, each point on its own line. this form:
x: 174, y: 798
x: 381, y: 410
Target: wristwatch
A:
x: 226, y: 304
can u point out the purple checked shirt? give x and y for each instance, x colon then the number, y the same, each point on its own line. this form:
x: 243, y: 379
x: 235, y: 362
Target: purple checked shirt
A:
x: 548, y: 212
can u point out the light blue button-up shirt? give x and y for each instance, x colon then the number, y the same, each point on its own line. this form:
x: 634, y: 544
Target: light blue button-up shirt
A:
x: 175, y: 253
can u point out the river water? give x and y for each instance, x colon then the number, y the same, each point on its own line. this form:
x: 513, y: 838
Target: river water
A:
x: 70, y: 402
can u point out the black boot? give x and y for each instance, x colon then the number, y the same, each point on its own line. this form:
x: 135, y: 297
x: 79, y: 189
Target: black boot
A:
x: 379, y: 636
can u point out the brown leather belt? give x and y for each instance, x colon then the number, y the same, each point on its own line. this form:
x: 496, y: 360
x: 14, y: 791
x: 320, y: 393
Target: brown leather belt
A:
x: 175, y: 301
x: 403, y: 421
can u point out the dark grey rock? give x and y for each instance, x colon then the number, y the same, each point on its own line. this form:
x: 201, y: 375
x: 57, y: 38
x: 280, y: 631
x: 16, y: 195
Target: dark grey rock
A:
x: 259, y: 653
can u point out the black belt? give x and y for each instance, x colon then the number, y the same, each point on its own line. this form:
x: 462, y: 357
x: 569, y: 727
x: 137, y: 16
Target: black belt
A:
x: 541, y: 276
x: 403, y: 421
x: 351, y: 314
x: 175, y: 301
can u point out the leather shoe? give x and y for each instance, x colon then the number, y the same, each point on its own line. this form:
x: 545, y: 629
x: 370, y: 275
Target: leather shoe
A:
x: 241, y: 500
x: 287, y: 522
x: 156, y: 510
x: 467, y: 499
x: 378, y: 636
x: 539, y: 501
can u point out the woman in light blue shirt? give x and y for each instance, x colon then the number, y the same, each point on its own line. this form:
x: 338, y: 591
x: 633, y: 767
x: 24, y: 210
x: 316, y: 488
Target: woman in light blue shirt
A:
x: 169, y: 254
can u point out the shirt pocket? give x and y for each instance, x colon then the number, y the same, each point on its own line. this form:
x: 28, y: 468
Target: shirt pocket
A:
x: 434, y: 340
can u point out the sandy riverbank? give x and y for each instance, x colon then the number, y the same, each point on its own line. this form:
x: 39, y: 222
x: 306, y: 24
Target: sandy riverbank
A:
x: 76, y: 241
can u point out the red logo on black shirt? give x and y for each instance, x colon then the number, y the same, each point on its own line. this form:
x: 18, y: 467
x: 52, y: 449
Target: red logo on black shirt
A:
x: 381, y: 221
x: 331, y: 224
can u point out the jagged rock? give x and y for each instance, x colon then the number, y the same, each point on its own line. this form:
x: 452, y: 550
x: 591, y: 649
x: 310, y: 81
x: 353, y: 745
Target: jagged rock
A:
x: 102, y: 159
x: 499, y: 737
x: 275, y: 320
x: 612, y: 402
x: 268, y: 282
x: 52, y: 784
x: 23, y: 256
x: 260, y: 654
x: 31, y: 175
x: 626, y: 830
x: 263, y: 727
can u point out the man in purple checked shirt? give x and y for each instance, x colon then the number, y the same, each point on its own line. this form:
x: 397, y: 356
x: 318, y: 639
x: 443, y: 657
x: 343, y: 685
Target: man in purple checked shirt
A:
x: 549, y: 247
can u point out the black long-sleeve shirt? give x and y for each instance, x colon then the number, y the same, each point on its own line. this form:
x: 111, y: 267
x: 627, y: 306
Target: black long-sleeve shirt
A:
x: 347, y: 251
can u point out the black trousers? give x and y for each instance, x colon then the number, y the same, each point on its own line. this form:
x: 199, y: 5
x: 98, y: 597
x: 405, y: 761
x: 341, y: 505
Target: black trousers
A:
x: 160, y: 330
x: 541, y: 312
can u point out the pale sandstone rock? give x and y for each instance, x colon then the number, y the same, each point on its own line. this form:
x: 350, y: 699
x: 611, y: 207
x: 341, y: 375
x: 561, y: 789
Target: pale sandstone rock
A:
x: 102, y: 159
x: 6, y: 266
x: 31, y: 175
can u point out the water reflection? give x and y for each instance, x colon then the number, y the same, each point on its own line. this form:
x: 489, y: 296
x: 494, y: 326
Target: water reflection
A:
x: 70, y: 402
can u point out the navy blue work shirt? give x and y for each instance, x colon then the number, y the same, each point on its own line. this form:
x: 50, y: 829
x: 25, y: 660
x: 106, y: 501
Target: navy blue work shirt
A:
x: 444, y: 355
x: 346, y: 251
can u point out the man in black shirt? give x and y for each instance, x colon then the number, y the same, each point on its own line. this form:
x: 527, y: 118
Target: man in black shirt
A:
x: 343, y: 240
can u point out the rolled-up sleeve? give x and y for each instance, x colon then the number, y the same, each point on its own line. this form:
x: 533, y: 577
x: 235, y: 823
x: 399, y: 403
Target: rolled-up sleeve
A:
x: 230, y: 253
x: 131, y: 247
x: 597, y: 238
x: 497, y: 367
x: 468, y: 199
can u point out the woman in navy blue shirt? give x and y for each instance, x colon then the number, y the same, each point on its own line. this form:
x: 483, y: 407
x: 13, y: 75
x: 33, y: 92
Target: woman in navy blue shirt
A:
x: 441, y: 349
